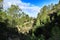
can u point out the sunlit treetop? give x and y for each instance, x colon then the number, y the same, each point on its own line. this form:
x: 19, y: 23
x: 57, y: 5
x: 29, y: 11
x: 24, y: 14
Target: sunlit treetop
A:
x: 1, y: 0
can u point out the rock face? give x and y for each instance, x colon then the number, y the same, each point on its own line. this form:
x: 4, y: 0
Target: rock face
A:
x: 26, y: 28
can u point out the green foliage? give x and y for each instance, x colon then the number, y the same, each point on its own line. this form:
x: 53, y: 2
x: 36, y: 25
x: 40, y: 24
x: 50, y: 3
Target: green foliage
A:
x: 48, y: 20
x: 44, y: 19
x: 1, y: 0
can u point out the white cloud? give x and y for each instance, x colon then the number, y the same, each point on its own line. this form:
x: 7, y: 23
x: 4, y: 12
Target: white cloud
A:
x: 30, y: 9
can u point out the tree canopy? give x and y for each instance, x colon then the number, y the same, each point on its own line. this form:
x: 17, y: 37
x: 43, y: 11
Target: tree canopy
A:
x: 46, y: 26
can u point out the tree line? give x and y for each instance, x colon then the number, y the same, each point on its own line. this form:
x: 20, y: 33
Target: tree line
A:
x: 17, y: 25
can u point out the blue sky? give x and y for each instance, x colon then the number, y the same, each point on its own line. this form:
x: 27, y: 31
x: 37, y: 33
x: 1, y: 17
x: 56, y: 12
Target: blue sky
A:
x: 40, y: 2
x: 30, y: 7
